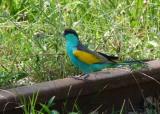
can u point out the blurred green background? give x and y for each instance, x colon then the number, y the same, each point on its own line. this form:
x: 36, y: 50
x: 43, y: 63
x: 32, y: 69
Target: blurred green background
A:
x: 32, y: 47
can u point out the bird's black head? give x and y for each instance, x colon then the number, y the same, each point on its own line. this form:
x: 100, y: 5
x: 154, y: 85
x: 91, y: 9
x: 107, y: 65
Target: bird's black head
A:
x: 70, y: 31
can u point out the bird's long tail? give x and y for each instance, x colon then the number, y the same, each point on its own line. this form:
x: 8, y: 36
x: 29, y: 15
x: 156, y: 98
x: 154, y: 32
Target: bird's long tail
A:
x: 133, y: 64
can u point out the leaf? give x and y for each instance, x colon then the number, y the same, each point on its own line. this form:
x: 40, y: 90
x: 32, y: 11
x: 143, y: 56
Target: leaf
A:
x: 50, y: 102
x: 54, y: 112
x: 73, y: 112
x: 45, y: 108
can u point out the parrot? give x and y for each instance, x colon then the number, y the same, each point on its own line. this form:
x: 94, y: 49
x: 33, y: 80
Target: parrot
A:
x: 86, y: 60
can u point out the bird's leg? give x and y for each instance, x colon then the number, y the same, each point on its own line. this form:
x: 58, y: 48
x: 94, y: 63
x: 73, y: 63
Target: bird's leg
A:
x: 85, y: 76
x: 81, y: 77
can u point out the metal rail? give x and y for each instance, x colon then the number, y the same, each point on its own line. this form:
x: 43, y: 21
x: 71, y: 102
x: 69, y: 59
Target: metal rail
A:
x: 102, y: 91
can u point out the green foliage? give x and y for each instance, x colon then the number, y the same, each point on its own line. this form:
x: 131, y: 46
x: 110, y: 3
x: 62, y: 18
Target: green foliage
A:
x: 32, y: 45
x: 29, y: 106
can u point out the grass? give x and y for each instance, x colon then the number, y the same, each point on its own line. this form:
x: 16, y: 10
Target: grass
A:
x: 32, y: 46
x: 30, y: 107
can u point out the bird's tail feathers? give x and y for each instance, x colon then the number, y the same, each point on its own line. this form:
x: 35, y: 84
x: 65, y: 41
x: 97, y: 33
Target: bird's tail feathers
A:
x: 134, y: 64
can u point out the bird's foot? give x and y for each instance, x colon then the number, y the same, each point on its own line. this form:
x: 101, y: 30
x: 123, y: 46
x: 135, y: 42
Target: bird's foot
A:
x: 81, y: 77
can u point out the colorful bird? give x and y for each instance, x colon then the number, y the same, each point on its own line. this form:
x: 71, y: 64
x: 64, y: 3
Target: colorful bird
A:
x: 86, y: 60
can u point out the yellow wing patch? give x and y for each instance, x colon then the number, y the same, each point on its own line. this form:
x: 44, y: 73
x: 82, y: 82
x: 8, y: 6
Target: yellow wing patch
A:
x: 86, y: 57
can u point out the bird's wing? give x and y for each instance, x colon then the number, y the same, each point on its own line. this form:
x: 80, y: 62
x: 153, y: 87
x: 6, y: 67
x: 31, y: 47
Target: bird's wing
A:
x: 109, y: 57
x: 86, y: 57
x: 91, y: 57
